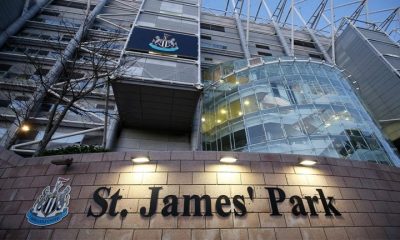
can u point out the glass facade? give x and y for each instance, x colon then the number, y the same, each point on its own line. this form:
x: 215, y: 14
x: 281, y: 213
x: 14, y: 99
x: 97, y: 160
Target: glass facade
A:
x: 288, y: 105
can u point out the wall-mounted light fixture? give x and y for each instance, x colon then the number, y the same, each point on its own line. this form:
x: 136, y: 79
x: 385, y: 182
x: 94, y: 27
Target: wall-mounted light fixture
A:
x: 228, y: 160
x: 25, y: 128
x: 307, y: 162
x: 140, y: 160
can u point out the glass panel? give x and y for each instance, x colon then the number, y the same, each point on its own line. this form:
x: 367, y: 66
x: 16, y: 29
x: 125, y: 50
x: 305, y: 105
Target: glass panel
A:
x: 249, y: 104
x: 256, y: 134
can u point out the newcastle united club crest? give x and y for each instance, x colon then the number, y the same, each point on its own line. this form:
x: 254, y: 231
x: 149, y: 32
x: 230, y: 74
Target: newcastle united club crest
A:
x: 51, y: 206
x: 164, y: 44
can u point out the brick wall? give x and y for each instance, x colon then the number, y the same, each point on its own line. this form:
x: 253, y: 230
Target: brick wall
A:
x: 367, y: 195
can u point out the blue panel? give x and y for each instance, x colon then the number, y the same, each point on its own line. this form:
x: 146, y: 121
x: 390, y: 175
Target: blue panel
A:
x: 146, y: 40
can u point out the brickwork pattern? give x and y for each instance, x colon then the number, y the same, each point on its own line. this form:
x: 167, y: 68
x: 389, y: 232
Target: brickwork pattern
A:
x: 367, y: 194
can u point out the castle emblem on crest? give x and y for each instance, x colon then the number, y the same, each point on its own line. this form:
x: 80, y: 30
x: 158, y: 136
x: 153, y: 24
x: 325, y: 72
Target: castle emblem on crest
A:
x: 51, y: 206
x: 164, y: 44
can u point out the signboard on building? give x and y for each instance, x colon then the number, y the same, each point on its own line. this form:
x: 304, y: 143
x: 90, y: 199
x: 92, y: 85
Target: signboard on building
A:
x: 163, y: 42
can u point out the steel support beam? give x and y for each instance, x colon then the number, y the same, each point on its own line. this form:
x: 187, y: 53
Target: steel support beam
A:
x: 314, y: 19
x: 279, y: 10
x: 55, y: 71
x: 314, y: 37
x: 16, y: 26
x: 278, y: 31
x: 385, y: 24
x: 353, y: 16
x: 240, y: 30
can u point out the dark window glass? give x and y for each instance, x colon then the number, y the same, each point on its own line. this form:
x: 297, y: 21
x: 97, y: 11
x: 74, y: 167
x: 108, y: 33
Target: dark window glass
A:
x: 264, y: 54
x: 261, y: 46
x: 22, y: 98
x: 4, y: 67
x: 316, y: 56
x: 226, y: 143
x: 208, y: 59
x: 240, y: 138
x: 4, y: 103
x: 273, y: 131
x: 212, y: 27
x: 205, y: 37
x: 304, y: 44
x: 45, y: 107
x: 66, y: 38
x: 48, y: 13
x: 256, y: 134
x: 43, y: 53
x: 45, y: 37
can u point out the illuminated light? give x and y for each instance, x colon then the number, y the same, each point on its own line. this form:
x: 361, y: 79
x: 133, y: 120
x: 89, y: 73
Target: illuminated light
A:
x: 221, y: 81
x: 203, y: 119
x: 223, y: 111
x: 357, y: 88
x: 140, y: 160
x: 354, y: 82
x: 218, y: 121
x: 347, y: 119
x: 25, y: 128
x: 246, y: 102
x: 240, y: 113
x: 336, y: 117
x: 237, y: 83
x: 228, y: 160
x: 327, y: 125
x: 307, y: 162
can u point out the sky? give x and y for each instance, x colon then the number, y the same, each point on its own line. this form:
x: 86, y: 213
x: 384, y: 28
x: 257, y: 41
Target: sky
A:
x: 307, y: 8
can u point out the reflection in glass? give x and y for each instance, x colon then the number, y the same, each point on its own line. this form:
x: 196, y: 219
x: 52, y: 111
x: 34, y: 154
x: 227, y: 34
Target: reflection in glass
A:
x: 286, y: 106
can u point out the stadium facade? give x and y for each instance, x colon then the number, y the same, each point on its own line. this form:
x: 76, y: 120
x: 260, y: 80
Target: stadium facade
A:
x: 166, y: 49
x: 208, y: 120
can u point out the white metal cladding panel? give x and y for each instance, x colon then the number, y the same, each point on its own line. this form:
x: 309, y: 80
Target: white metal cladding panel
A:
x: 386, y: 48
x: 378, y: 84
x: 177, y: 9
x: 370, y: 34
x: 164, y: 22
x: 394, y: 61
x: 168, y: 70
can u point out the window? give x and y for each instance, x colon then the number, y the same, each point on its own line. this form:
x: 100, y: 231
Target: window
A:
x: 317, y: 56
x: 19, y: 102
x: 304, y: 43
x: 261, y: 46
x: 4, y: 68
x: 66, y: 38
x: 48, y: 13
x: 212, y: 27
x: 205, y: 37
x: 4, y: 103
x: 213, y: 45
x: 256, y: 134
x: 45, y: 107
x: 208, y: 59
x: 264, y: 54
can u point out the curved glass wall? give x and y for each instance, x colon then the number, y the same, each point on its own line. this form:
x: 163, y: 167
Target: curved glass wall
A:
x: 288, y: 106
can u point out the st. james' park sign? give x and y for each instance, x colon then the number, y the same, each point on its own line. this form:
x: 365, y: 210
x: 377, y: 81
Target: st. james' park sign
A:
x: 276, y: 195
x: 52, y: 205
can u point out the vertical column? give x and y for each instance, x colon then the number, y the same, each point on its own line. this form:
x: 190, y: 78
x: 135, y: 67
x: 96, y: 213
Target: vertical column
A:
x: 278, y: 31
x: 54, y: 72
x: 240, y: 30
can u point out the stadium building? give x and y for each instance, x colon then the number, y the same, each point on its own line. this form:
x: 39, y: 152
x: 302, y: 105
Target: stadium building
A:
x: 208, y: 118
